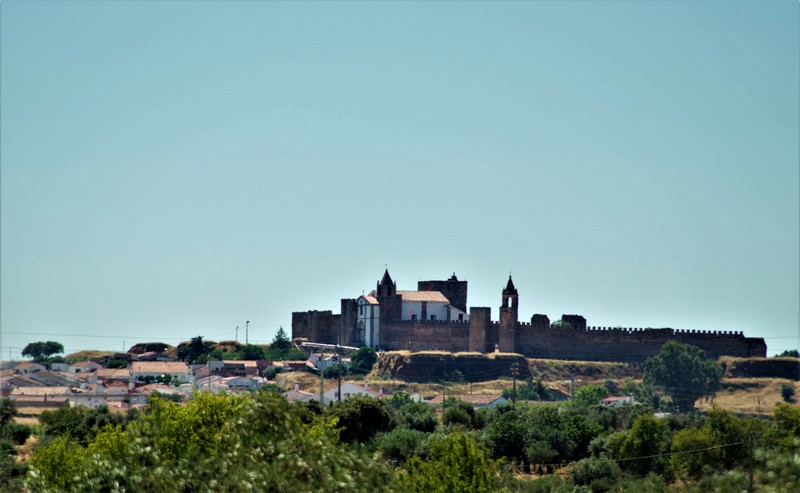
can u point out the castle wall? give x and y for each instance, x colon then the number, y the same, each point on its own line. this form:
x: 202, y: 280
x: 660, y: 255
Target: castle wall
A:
x: 629, y: 345
x: 316, y: 326
x: 479, y: 319
x: 417, y: 335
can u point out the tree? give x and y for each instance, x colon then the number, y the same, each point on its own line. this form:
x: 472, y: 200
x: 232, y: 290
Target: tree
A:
x: 789, y: 353
x: 41, y: 351
x: 251, y: 352
x: 589, y: 395
x: 684, y: 373
x: 214, y: 443
x: 281, y: 341
x: 457, y: 464
x: 192, y: 352
x: 361, y: 417
x: 363, y: 360
x: 417, y: 416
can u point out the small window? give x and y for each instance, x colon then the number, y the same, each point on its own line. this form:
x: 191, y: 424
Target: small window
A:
x: 433, y: 317
x: 460, y: 317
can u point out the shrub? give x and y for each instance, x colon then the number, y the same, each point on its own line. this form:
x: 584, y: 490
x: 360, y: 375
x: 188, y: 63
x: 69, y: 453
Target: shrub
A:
x: 787, y: 392
x: 599, y: 474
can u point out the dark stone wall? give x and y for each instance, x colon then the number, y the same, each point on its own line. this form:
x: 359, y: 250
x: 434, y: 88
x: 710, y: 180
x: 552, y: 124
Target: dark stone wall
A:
x: 349, y: 319
x: 416, y: 335
x: 316, y: 326
x: 628, y: 345
x: 479, y: 320
x: 453, y: 290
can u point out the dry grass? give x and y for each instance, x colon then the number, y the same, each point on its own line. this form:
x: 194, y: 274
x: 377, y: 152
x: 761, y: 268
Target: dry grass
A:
x: 749, y: 395
x: 86, y: 355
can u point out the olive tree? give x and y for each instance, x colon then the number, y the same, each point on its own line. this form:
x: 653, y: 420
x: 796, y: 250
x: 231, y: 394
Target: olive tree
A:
x: 683, y: 372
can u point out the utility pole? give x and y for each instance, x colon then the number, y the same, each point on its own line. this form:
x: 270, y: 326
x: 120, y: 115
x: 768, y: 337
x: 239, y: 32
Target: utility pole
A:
x: 444, y: 383
x: 247, y: 332
x: 750, y: 465
x: 321, y: 381
x: 514, y: 371
x: 237, y: 334
x: 339, y: 363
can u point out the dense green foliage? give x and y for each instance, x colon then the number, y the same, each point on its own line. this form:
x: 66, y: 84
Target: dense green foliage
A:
x: 457, y: 464
x: 42, y: 350
x: 682, y: 372
x: 260, y: 442
x: 530, y: 390
x: 212, y: 443
x: 363, y: 360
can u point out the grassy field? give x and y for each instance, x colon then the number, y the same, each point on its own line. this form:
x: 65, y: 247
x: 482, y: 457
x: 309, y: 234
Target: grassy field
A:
x: 749, y: 395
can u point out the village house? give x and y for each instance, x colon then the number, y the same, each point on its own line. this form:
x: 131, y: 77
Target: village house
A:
x: 177, y: 371
x: 84, y: 367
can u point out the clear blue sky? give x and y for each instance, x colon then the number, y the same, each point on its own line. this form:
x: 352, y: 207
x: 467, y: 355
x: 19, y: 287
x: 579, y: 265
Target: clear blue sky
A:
x: 175, y: 169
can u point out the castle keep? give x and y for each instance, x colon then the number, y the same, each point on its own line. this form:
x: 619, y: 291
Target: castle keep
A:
x: 435, y: 317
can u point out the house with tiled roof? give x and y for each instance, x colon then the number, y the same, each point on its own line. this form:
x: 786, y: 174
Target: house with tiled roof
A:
x: 28, y: 367
x: 178, y: 371
x: 84, y: 367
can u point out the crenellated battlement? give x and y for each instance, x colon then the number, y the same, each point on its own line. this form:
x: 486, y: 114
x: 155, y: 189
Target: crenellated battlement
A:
x: 568, y: 338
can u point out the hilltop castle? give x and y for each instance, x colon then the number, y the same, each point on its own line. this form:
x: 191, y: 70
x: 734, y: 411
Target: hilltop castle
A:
x: 435, y: 317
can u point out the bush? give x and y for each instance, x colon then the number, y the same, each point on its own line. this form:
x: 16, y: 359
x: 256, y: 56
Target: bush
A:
x: 599, y: 474
x: 16, y: 432
x: 457, y: 464
x: 401, y: 444
x: 418, y: 416
x: 787, y: 392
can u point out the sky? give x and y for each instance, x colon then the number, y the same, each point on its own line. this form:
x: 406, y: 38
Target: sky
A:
x: 175, y: 169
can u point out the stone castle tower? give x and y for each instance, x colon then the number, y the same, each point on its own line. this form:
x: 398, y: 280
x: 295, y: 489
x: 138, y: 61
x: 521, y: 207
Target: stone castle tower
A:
x: 390, y: 302
x: 509, y: 316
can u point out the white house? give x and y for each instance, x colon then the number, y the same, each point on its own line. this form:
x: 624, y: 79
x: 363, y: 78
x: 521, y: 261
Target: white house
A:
x: 348, y: 390
x: 617, y: 401
x: 179, y: 371
x: 84, y: 367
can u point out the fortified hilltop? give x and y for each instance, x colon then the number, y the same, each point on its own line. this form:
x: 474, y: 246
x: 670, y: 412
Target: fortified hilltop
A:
x: 435, y: 317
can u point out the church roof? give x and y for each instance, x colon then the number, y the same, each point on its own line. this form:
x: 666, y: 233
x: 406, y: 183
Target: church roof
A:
x: 386, y: 279
x: 433, y: 296
x: 370, y: 298
x: 510, y: 289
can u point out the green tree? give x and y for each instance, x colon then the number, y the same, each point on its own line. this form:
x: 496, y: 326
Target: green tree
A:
x: 363, y: 360
x: 643, y: 446
x: 401, y: 444
x: 789, y: 353
x: 194, y: 351
x: 42, y: 351
x: 684, y: 373
x: 361, y: 417
x: 457, y: 464
x: 281, y: 341
x: 417, y: 416
x: 598, y: 473
x: 589, y: 395
x: 505, y: 433
x: 251, y: 352
x: 213, y: 443
x: 8, y: 410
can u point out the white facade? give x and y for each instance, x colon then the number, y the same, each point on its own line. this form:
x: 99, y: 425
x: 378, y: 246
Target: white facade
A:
x: 368, y: 323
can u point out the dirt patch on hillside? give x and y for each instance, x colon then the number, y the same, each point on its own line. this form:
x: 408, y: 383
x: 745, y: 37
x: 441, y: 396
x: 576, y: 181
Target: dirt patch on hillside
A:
x: 749, y: 395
